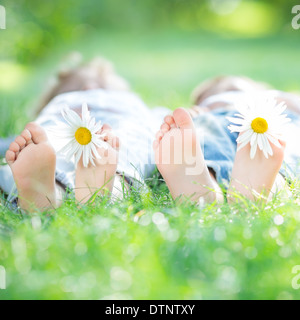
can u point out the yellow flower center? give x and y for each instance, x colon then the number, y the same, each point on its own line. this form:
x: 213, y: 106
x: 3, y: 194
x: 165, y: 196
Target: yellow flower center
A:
x: 259, y: 125
x: 83, y: 136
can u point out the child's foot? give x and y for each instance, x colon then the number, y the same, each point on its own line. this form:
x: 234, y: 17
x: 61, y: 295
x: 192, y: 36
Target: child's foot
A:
x: 255, y: 177
x: 179, y: 159
x: 99, y: 178
x: 32, y: 161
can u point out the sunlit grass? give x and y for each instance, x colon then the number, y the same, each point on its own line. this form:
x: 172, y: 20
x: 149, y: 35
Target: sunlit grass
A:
x: 146, y: 246
x: 248, y: 19
x: 12, y: 76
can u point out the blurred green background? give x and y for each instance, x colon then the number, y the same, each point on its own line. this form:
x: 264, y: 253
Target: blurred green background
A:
x: 163, y: 47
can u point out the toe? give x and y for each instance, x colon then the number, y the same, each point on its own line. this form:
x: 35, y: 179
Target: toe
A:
x: 27, y: 136
x: 182, y: 118
x: 21, y: 142
x: 109, y: 136
x: 283, y: 143
x: 169, y: 120
x: 116, y: 143
x: 38, y: 134
x: 10, y: 157
x: 165, y: 127
x: 106, y: 127
x: 106, y: 130
x: 159, y: 135
x: 14, y: 147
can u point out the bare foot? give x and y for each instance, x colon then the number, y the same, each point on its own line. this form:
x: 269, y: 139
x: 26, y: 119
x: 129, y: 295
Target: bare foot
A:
x: 179, y: 159
x: 256, y: 177
x: 99, y: 178
x: 32, y: 161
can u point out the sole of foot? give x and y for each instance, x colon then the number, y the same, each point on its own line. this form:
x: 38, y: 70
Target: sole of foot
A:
x: 180, y: 160
x: 99, y: 178
x: 32, y: 161
x: 255, y: 178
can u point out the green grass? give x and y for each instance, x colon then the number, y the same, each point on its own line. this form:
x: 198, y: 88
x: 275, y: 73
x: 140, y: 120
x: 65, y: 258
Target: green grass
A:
x: 147, y: 246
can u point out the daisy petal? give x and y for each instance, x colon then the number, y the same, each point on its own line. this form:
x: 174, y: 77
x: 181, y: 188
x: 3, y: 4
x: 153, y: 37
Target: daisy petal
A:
x: 235, y: 120
x: 274, y: 141
x: 71, y: 117
x: 253, y: 139
x: 253, y: 150
x: 245, y: 136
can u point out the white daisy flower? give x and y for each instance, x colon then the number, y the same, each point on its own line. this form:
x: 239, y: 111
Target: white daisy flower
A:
x: 261, y: 121
x: 82, y: 136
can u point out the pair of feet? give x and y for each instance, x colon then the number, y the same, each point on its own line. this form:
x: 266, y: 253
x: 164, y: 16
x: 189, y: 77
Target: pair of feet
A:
x: 180, y: 160
x: 32, y: 160
x: 178, y: 156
